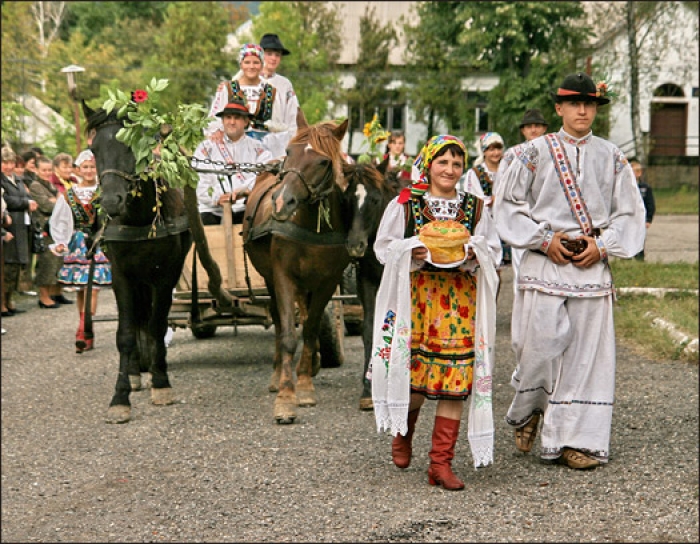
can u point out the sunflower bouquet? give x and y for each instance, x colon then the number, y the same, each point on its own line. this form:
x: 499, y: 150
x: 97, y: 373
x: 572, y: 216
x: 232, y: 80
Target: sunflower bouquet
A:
x: 374, y: 135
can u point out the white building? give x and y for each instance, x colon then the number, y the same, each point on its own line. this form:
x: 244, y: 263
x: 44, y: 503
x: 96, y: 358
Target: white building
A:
x: 40, y: 123
x: 668, y: 83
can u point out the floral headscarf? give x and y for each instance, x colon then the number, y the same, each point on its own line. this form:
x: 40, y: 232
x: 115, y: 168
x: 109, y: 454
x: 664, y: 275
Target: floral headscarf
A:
x: 482, y: 144
x: 424, y: 161
x: 251, y: 49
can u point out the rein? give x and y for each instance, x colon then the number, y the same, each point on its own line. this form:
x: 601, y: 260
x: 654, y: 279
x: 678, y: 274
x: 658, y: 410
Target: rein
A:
x: 316, y: 193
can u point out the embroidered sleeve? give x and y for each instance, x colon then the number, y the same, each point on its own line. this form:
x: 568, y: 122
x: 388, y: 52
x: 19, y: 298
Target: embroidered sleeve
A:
x: 620, y: 161
x: 529, y: 156
x: 547, y: 241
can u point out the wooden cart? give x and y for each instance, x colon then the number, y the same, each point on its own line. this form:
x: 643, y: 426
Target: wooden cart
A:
x: 195, y: 308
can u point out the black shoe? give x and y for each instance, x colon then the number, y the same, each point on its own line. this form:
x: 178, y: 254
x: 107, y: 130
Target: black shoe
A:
x: 61, y: 299
x: 8, y: 313
x: 14, y: 311
x: 42, y: 305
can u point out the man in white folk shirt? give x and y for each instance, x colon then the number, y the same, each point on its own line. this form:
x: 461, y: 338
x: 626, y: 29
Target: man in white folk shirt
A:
x: 213, y: 190
x: 567, y: 186
x: 532, y: 126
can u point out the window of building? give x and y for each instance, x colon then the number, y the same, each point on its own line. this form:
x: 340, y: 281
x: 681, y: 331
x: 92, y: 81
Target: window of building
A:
x: 668, y: 89
x: 391, y: 113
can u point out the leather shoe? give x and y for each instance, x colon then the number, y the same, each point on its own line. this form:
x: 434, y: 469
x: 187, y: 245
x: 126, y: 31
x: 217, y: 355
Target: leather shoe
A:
x: 8, y: 313
x: 576, y: 459
x: 14, y: 311
x: 61, y: 299
x: 55, y: 305
x: 525, y: 435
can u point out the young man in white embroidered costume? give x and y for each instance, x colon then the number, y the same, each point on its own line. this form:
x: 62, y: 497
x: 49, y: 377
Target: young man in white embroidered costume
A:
x: 236, y: 147
x: 532, y: 126
x: 271, y: 101
x: 434, y: 325
x: 568, y: 186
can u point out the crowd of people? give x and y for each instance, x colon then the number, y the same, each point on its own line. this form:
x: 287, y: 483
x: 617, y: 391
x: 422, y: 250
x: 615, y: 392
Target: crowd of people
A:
x: 48, y: 218
x: 555, y: 206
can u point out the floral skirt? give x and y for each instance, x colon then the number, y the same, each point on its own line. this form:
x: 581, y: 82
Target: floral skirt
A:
x: 443, y: 327
x: 76, y: 265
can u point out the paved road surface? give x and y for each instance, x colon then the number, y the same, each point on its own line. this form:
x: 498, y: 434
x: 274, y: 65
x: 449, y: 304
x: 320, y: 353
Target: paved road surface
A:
x: 214, y: 467
x: 672, y: 238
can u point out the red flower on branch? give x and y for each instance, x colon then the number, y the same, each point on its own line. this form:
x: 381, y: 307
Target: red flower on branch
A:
x: 139, y: 95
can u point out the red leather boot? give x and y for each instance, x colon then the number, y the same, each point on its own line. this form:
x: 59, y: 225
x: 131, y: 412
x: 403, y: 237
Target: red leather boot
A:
x: 80, y: 343
x: 445, y: 433
x: 89, y: 342
x: 401, y: 449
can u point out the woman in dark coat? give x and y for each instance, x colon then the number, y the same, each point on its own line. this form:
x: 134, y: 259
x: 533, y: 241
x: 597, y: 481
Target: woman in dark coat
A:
x: 15, y: 251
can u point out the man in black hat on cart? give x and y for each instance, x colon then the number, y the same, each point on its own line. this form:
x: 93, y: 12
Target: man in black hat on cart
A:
x: 569, y: 199
x: 532, y: 126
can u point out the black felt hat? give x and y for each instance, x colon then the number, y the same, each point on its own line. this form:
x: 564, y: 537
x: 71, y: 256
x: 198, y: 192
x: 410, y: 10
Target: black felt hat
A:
x: 272, y: 41
x: 579, y: 87
x: 533, y: 117
x: 235, y: 106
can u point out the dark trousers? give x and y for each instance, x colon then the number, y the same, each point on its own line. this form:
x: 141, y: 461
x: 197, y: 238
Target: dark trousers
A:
x: 209, y: 218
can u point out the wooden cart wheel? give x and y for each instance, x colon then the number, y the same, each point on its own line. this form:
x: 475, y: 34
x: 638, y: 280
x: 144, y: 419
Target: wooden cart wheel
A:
x: 201, y: 332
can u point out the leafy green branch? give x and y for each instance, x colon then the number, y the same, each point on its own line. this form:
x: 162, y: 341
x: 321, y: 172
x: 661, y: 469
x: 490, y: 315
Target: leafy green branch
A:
x: 160, y: 140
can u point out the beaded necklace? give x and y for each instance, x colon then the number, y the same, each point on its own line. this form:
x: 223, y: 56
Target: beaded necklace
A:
x: 484, y: 179
x: 263, y: 111
x: 466, y: 213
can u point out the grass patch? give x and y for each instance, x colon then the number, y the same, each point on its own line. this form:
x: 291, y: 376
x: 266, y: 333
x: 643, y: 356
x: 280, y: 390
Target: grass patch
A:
x: 633, y: 273
x: 632, y: 322
x: 682, y: 201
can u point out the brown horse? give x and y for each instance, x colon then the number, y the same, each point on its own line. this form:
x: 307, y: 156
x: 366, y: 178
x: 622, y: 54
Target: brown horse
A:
x: 296, y: 231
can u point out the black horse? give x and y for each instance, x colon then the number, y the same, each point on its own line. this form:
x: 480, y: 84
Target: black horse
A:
x: 147, y: 253
x: 369, y: 196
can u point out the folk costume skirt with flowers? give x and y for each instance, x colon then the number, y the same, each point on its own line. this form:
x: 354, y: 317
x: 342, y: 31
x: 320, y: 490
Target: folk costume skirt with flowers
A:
x: 443, y: 324
x: 76, y: 265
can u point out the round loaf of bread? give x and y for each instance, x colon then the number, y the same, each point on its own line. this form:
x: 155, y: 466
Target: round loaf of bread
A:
x: 445, y: 240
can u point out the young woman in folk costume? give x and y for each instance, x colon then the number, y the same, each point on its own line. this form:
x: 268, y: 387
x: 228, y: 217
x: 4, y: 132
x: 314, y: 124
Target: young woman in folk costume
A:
x: 262, y: 100
x: 484, y: 172
x: 71, y: 224
x: 434, y: 325
x: 395, y: 158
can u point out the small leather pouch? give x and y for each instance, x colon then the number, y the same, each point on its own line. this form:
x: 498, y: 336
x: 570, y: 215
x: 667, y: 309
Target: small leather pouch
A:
x: 575, y: 246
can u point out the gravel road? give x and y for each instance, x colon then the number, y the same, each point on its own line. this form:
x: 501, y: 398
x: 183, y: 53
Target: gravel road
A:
x: 215, y: 467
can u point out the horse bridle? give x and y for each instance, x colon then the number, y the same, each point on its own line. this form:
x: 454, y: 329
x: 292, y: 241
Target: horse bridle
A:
x: 316, y: 193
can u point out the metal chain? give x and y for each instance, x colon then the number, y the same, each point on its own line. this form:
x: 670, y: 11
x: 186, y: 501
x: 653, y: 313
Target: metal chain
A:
x: 221, y: 167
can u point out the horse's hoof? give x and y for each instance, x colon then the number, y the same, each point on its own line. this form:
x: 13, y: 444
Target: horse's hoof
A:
x: 285, y: 412
x: 163, y: 396
x: 274, y: 385
x: 118, y: 414
x: 135, y: 382
x: 306, y: 398
x: 366, y: 404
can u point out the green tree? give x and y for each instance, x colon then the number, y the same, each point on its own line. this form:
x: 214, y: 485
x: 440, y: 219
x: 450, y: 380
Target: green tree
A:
x: 312, y: 32
x: 529, y: 45
x: 18, y: 76
x: 372, y: 74
x: 94, y: 19
x: 189, y: 51
x: 434, y: 72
